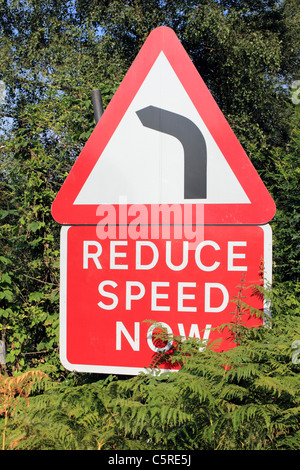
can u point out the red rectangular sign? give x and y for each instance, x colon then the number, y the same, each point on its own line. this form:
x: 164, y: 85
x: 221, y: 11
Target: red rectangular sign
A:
x: 111, y: 286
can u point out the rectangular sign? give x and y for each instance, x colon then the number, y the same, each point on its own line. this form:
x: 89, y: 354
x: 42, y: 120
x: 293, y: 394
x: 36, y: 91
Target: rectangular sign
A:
x: 113, y: 287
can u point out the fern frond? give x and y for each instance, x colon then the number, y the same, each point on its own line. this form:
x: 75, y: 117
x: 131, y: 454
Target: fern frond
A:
x: 274, y: 385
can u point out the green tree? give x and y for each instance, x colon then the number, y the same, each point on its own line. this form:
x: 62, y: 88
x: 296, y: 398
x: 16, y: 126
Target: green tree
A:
x: 282, y: 178
x: 50, y: 61
x: 244, y: 51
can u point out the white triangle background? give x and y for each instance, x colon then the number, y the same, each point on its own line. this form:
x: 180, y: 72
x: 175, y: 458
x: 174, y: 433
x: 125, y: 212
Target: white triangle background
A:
x: 143, y: 166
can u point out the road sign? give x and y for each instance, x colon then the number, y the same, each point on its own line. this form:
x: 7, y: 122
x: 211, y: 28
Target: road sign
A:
x: 164, y: 140
x: 111, y: 286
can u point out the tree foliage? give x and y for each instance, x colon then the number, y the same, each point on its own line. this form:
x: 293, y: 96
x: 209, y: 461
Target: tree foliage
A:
x: 53, y: 53
x: 244, y: 399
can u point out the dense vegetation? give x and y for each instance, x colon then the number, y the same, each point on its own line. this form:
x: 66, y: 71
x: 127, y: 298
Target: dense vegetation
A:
x: 53, y: 53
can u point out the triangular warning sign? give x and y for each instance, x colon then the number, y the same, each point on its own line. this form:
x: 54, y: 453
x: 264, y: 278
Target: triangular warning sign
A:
x: 163, y: 140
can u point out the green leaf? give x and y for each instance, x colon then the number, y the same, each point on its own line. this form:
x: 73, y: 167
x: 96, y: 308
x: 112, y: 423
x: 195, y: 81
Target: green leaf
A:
x: 34, y: 226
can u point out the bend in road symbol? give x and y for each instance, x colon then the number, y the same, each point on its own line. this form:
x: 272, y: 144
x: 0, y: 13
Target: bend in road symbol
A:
x: 193, y: 143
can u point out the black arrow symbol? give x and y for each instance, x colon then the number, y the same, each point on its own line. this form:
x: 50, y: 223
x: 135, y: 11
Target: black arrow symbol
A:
x: 193, y: 143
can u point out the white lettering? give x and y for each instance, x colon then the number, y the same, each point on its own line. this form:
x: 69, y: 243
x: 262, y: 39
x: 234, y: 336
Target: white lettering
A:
x: 134, y: 343
x: 232, y: 256
x: 154, y: 249
x: 185, y: 254
x: 215, y: 285
x: 182, y: 296
x: 130, y: 296
x: 155, y: 296
x: 150, y: 337
x: 198, y: 253
x: 110, y: 295
x: 94, y: 255
x: 153, y: 332
x: 114, y: 255
x: 148, y: 254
